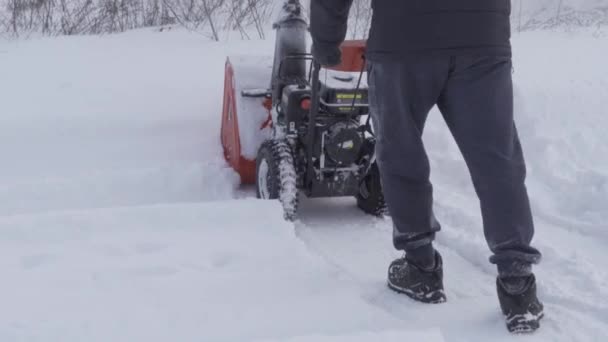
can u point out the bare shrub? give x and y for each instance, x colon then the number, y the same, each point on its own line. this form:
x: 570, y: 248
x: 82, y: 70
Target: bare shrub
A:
x: 69, y: 17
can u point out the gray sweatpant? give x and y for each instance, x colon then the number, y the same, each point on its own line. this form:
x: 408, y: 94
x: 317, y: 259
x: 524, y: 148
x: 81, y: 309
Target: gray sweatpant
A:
x: 475, y: 97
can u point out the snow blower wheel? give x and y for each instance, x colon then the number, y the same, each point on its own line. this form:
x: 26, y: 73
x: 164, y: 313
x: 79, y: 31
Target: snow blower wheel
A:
x: 370, y: 198
x: 276, y: 176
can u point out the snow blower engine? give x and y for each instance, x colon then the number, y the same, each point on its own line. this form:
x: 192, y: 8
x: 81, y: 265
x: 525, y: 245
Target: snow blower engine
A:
x: 310, y: 131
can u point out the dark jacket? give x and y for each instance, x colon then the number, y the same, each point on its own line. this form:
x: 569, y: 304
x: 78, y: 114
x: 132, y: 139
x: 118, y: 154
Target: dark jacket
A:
x: 401, y: 27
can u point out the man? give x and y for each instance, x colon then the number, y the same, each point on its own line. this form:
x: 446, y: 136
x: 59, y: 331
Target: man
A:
x: 456, y: 55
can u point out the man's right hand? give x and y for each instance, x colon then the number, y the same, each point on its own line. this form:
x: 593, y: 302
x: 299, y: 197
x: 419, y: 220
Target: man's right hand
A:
x: 327, y: 55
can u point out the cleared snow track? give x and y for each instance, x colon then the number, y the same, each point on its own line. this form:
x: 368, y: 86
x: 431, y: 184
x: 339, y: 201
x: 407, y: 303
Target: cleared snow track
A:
x: 360, y: 249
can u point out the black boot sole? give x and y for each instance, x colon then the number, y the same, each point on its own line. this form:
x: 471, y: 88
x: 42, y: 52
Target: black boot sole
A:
x: 524, y: 326
x: 435, y: 297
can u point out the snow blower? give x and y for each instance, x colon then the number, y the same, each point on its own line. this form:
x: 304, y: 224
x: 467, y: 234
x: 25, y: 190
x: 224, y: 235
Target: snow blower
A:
x: 291, y: 126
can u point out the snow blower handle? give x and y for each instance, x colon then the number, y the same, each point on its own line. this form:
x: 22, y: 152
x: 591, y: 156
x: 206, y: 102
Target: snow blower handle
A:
x: 312, y: 117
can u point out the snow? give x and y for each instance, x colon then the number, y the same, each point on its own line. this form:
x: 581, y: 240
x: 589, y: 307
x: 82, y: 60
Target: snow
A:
x: 120, y: 220
x: 92, y: 122
x: 567, y: 156
x: 343, y: 80
x: 251, y: 73
x: 186, y: 272
x: 365, y: 337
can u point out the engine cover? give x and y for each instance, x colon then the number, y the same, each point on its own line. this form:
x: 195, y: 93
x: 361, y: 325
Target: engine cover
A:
x: 340, y: 91
x: 343, y: 142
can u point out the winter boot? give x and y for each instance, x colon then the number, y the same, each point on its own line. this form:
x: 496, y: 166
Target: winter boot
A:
x: 519, y: 304
x: 422, y: 285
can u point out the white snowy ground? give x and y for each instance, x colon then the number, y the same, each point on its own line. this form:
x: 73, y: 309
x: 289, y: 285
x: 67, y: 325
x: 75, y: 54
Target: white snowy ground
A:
x: 119, y: 220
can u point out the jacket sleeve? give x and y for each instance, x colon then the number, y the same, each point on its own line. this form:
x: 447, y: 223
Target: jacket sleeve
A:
x: 328, y: 23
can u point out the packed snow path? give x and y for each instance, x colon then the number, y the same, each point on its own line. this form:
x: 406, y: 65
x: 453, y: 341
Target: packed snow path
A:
x: 119, y: 220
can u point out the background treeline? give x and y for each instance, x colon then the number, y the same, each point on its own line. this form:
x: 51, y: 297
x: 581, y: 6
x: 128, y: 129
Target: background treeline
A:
x: 250, y: 18
x: 70, y: 17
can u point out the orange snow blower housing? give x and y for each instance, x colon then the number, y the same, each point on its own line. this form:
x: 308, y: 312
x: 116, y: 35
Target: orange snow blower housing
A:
x: 248, y: 104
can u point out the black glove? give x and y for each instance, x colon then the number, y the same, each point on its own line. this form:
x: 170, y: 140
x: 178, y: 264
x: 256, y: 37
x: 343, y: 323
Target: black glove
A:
x: 326, y: 54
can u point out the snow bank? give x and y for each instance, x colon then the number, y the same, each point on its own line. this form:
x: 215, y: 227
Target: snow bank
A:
x: 223, y: 271
x: 127, y: 119
x: 561, y: 95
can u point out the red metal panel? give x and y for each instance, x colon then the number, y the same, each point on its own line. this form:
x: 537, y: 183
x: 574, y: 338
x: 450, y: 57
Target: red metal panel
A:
x: 353, y: 56
x: 230, y: 130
